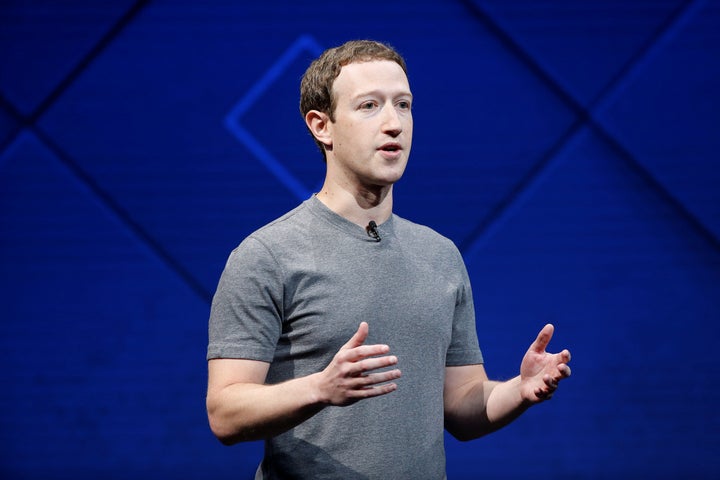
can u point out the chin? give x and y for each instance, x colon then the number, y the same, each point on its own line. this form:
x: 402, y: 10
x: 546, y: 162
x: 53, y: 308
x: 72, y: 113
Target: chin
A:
x: 386, y: 175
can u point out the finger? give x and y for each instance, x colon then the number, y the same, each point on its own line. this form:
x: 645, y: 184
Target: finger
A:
x: 551, y: 382
x: 543, y: 339
x: 371, y: 364
x: 542, y: 394
x: 560, y: 372
x: 358, y: 338
x: 564, y: 370
x: 362, y: 352
x: 566, y: 356
x: 372, y: 391
x: 368, y: 380
x: 545, y: 393
x: 374, y: 384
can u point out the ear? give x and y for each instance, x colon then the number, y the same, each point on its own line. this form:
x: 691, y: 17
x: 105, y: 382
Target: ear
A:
x: 319, y: 125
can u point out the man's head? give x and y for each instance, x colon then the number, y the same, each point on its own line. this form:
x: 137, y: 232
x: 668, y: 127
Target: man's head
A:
x: 316, y: 87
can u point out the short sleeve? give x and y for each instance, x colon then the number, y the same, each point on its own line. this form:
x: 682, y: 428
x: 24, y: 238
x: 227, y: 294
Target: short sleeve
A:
x: 464, y: 347
x: 246, y: 312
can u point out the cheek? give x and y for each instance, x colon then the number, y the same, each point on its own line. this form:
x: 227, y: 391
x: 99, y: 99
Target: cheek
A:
x: 407, y: 122
x: 408, y: 130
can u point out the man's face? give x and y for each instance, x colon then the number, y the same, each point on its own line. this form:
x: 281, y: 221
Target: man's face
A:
x: 372, y: 132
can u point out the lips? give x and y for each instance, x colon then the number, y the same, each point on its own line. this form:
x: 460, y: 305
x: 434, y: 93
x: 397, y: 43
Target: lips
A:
x: 391, y: 147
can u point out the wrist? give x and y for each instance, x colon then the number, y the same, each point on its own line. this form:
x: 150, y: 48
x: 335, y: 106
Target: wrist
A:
x: 316, y: 395
x: 518, y: 393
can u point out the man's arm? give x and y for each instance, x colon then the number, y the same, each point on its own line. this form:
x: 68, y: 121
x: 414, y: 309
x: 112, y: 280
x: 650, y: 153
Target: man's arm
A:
x: 475, y: 405
x: 241, y: 407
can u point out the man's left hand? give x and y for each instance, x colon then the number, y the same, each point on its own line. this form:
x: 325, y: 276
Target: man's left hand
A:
x: 540, y: 371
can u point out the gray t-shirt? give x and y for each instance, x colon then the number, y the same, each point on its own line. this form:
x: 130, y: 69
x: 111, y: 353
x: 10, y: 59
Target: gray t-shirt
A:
x: 295, y: 291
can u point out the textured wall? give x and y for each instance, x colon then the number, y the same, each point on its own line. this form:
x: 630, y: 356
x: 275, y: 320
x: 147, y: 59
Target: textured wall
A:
x: 569, y: 148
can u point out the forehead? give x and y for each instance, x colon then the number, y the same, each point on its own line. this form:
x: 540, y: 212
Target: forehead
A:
x: 378, y: 75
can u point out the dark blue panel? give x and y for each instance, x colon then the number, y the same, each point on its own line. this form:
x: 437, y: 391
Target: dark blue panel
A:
x: 163, y: 153
x: 42, y: 41
x: 635, y: 293
x: 483, y: 120
x: 582, y: 45
x: 8, y: 126
x: 147, y: 120
x: 668, y: 116
x: 103, y: 348
x: 148, y: 124
x: 272, y: 101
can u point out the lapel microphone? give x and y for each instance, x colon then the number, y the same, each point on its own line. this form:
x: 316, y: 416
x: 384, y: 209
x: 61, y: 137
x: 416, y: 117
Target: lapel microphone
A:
x: 373, y: 231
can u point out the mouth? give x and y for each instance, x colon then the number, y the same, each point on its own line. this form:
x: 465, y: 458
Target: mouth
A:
x: 390, y: 147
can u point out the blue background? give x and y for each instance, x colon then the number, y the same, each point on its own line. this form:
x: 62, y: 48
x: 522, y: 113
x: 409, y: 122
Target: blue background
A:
x: 569, y: 148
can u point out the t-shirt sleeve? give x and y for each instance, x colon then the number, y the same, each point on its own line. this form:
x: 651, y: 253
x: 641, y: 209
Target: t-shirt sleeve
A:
x: 246, y: 312
x: 464, y: 348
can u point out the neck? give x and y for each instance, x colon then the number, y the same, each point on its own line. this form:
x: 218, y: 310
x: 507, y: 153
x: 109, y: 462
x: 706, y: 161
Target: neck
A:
x: 359, y: 205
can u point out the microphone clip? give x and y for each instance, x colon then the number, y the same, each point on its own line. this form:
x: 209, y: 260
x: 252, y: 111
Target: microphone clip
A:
x: 373, y: 231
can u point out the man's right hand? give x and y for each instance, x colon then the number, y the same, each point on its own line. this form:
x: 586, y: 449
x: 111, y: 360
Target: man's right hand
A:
x: 241, y: 407
x: 352, y: 375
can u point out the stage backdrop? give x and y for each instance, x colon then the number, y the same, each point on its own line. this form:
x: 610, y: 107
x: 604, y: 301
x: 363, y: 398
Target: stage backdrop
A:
x: 569, y: 148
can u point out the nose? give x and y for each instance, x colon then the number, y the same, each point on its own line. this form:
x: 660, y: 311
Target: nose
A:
x: 392, y: 125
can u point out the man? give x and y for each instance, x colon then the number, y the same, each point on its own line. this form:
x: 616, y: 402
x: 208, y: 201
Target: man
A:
x: 344, y: 335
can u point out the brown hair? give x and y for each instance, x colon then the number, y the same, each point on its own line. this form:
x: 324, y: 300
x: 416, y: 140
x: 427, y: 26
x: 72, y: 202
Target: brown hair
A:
x: 316, y: 84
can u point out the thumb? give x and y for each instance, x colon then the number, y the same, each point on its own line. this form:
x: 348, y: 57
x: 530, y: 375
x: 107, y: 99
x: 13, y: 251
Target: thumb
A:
x: 358, y: 338
x: 543, y: 339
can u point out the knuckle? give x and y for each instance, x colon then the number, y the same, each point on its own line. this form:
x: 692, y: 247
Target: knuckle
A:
x: 345, y: 369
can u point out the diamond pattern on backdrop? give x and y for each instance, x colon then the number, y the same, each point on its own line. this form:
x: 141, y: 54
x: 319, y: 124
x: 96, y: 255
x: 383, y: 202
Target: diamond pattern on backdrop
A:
x: 569, y: 148
x: 41, y: 43
x: 678, y: 143
x: 87, y: 314
x: 278, y: 167
x: 585, y: 44
x: 617, y: 266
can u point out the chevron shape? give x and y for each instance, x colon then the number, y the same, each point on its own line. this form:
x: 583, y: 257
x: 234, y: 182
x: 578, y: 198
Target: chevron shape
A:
x: 233, y: 119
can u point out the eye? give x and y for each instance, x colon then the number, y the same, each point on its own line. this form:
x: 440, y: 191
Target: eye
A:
x: 367, y: 105
x: 404, y: 105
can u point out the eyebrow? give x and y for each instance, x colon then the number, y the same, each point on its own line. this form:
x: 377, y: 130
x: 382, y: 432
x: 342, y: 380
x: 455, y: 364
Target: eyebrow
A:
x: 381, y: 93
